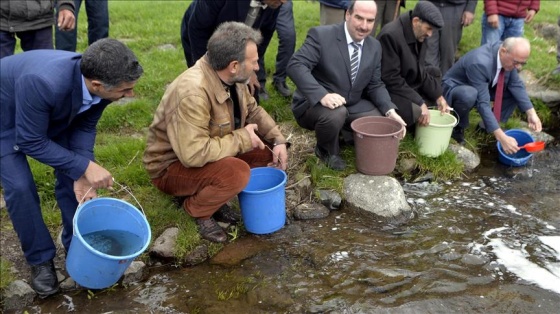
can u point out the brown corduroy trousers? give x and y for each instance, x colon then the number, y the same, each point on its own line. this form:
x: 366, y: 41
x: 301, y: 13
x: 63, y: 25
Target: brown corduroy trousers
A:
x: 209, y: 187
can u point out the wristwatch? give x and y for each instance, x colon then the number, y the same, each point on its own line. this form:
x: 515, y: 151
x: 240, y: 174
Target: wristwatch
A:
x: 388, y: 113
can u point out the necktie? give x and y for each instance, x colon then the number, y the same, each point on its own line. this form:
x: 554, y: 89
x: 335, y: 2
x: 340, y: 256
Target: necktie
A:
x: 499, y: 95
x: 354, y: 62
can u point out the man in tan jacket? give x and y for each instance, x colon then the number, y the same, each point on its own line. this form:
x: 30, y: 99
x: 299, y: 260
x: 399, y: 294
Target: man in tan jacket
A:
x: 208, y: 131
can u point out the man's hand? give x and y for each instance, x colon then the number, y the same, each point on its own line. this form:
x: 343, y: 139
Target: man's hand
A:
x: 424, y: 118
x: 254, y: 84
x: 66, y: 20
x: 493, y: 20
x: 395, y: 116
x: 83, y: 190
x: 255, y: 139
x: 333, y: 100
x: 280, y: 157
x: 97, y: 176
x: 509, y: 144
x: 467, y: 18
x: 530, y: 16
x: 442, y: 105
x: 533, y: 120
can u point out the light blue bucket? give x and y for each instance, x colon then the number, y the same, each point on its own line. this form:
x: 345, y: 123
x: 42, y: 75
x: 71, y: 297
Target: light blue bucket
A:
x: 262, y: 202
x: 108, y: 235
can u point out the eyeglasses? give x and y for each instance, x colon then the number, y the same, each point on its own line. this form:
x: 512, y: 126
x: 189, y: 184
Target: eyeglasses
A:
x: 515, y: 62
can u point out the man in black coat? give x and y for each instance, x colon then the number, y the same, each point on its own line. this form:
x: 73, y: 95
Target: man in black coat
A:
x: 411, y: 85
x: 204, y: 16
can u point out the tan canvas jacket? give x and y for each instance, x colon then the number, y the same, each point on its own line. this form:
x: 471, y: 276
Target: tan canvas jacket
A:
x: 194, y: 122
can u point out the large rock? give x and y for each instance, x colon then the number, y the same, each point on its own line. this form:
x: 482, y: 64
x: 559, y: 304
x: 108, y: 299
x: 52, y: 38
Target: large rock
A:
x: 17, y: 295
x: 164, y: 245
x: 469, y: 159
x: 377, y: 196
x: 134, y: 273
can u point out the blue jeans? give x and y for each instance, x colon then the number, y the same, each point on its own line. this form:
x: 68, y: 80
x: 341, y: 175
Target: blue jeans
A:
x: 98, y: 25
x: 508, y: 27
x: 286, y: 31
x: 29, y: 40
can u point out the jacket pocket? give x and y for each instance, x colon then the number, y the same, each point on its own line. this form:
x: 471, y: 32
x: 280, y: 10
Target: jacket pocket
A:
x: 220, y: 128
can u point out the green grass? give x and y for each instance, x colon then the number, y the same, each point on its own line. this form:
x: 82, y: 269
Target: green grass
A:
x: 152, y: 30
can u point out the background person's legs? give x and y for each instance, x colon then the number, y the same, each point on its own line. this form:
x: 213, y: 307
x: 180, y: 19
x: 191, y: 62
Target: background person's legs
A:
x: 7, y: 44
x: 490, y: 34
x: 66, y: 40
x: 98, y: 20
x: 285, y: 29
x: 329, y: 15
x: 37, y: 39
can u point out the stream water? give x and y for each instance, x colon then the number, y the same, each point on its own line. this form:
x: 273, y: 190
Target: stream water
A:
x: 488, y: 244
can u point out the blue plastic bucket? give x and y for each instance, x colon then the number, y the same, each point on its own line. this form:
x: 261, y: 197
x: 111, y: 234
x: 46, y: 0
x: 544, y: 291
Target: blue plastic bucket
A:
x: 108, y: 235
x: 522, y: 156
x: 262, y: 202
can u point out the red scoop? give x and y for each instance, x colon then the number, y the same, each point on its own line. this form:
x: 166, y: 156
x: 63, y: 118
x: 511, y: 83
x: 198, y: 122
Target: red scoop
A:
x: 533, y: 147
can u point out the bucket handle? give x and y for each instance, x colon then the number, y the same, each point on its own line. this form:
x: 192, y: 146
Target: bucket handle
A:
x: 123, y: 187
x: 451, y: 112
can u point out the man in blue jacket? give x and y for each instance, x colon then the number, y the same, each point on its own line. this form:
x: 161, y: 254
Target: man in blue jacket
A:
x: 51, y: 102
x: 474, y: 80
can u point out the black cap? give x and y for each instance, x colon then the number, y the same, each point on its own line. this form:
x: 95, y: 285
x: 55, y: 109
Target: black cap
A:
x: 428, y: 12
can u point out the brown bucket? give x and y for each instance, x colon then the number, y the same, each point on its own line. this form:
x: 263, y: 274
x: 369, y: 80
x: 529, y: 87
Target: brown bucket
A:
x: 376, y: 140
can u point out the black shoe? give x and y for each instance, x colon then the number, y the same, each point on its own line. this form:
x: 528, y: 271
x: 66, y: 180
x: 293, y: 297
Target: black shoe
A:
x: 43, y: 279
x: 209, y: 230
x: 226, y: 214
x: 282, y: 88
x: 458, y: 135
x: 334, y: 162
x: 263, y: 94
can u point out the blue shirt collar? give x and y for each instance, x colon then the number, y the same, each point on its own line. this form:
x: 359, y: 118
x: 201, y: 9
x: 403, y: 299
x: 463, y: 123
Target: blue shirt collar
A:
x: 87, y: 97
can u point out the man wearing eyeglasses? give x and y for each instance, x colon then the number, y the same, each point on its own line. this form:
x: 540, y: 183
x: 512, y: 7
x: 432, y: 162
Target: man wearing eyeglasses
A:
x: 474, y: 81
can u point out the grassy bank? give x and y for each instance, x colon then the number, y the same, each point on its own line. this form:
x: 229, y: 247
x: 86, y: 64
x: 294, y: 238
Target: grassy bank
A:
x: 152, y: 30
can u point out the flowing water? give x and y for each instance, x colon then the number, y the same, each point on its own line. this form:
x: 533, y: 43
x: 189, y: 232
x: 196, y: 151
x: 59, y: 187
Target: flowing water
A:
x: 488, y: 244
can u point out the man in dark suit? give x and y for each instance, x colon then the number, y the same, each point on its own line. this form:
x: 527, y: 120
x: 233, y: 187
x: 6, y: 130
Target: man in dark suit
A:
x: 51, y: 101
x: 327, y: 99
x: 473, y: 80
x: 412, y: 86
x: 203, y: 17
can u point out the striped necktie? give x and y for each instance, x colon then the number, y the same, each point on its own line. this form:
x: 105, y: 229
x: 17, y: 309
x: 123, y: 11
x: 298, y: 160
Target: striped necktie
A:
x: 354, y: 61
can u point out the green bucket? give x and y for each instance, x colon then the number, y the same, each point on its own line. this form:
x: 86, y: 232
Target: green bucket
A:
x: 433, y: 139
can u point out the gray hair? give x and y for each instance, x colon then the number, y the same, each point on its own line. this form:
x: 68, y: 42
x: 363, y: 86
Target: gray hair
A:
x: 228, y: 43
x: 111, y: 62
x: 511, y: 43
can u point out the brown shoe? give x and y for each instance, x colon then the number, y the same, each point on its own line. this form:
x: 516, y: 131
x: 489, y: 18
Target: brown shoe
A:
x: 227, y: 215
x: 209, y: 230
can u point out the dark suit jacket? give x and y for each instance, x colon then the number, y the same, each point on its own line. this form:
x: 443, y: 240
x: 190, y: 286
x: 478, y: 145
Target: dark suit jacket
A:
x: 40, y: 96
x: 403, y: 69
x: 204, y: 16
x: 322, y: 66
x: 477, y: 68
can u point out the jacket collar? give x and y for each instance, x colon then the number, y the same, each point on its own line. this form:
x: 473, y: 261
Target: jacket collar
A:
x: 214, y: 80
x: 406, y: 22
